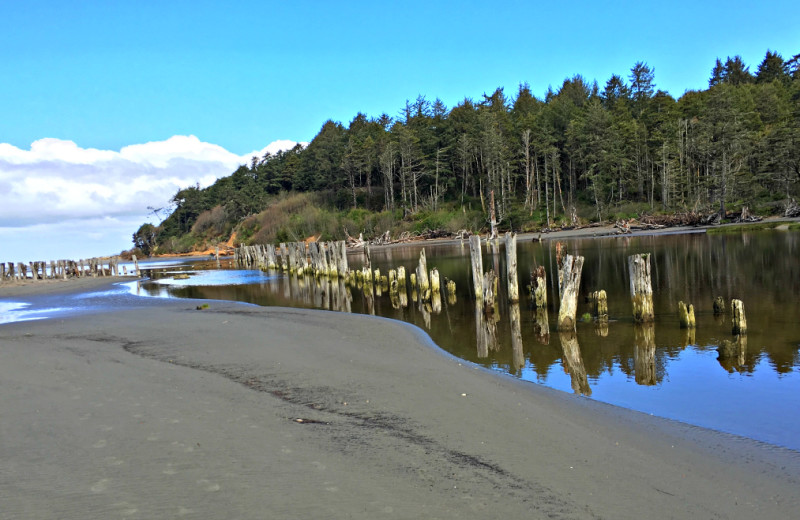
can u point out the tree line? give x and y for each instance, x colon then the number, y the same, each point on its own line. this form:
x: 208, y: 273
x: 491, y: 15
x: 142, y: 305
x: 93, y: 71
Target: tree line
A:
x: 579, y: 147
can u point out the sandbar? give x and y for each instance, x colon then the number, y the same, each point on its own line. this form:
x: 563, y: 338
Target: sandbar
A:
x: 161, y: 410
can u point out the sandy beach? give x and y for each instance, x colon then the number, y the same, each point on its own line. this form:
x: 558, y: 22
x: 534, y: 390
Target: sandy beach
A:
x: 160, y: 410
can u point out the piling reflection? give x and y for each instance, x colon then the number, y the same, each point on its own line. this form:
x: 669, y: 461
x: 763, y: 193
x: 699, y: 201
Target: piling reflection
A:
x: 485, y: 331
x: 541, y: 326
x: 733, y: 354
x: 688, y: 337
x: 688, y: 266
x: 601, y: 328
x: 436, y: 302
x: 517, y: 355
x: 573, y: 363
x: 644, y: 354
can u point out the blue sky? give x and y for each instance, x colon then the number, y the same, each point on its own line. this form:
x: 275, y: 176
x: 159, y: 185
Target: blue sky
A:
x: 240, y: 75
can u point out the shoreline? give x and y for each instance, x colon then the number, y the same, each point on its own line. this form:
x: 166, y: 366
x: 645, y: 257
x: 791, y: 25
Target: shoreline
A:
x: 241, y: 410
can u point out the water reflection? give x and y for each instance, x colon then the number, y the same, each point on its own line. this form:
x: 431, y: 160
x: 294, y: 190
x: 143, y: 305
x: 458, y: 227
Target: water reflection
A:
x: 644, y: 354
x: 573, y: 363
x: 696, y: 268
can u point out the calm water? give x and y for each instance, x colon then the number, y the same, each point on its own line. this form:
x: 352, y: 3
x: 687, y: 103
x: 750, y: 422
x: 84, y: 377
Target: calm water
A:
x: 658, y: 369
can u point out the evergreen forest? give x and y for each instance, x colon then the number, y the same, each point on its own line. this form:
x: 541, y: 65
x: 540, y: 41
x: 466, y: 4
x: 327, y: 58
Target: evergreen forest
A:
x: 582, y: 153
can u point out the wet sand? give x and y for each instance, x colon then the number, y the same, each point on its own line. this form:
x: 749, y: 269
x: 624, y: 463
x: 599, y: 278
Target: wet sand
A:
x: 237, y: 411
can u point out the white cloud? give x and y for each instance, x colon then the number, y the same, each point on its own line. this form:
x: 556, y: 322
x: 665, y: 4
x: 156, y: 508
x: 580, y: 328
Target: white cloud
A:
x: 57, y: 182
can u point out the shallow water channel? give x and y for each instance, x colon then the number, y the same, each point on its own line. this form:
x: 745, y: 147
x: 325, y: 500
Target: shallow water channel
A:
x: 658, y: 369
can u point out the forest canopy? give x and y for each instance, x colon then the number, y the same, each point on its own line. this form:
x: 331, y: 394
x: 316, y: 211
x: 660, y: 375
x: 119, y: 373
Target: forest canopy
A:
x: 583, y: 151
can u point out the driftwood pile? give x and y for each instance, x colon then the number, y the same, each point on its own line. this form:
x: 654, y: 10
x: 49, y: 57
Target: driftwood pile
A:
x: 406, y: 236
x: 689, y: 218
x: 792, y: 209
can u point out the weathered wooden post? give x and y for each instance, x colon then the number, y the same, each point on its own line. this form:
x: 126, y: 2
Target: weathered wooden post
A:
x: 600, y: 304
x: 422, y: 278
x: 511, y: 267
x: 435, y: 281
x: 539, y: 287
x: 477, y: 266
x: 135, y: 266
x: 394, y: 289
x: 284, y: 256
x: 641, y: 288
x: 323, y: 260
x: 401, y: 278
x: 571, y: 269
x: 686, y: 315
x: 342, y: 261
x: 719, y: 306
x: 560, y: 254
x: 738, y: 318
x: 451, y: 292
x: 313, y: 252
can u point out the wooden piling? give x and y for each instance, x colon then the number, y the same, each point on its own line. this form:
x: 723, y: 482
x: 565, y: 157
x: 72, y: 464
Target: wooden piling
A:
x: 719, y: 306
x: 738, y: 319
x: 341, y: 262
x: 511, y: 267
x: 686, y: 315
x: 435, y: 281
x: 135, y: 266
x: 476, y: 259
x: 422, y: 278
x: 451, y: 292
x: 284, y: 256
x: 641, y: 287
x: 539, y: 287
x: 600, y: 304
x: 571, y: 269
x: 401, y: 279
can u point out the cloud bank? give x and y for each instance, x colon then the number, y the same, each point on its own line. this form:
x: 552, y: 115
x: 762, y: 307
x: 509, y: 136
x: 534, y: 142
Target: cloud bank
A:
x: 93, y: 195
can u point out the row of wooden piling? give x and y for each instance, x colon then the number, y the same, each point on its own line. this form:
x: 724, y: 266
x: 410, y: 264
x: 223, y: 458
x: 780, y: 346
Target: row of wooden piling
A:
x: 59, y: 269
x: 569, y: 276
x: 318, y: 258
x: 329, y: 260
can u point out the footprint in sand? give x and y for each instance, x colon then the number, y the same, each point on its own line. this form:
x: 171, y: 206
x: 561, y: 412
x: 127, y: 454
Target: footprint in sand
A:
x: 126, y: 509
x: 208, y: 485
x: 100, y: 486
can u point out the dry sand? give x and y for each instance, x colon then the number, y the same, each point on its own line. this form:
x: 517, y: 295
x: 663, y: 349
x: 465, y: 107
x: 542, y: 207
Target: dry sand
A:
x: 236, y: 411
